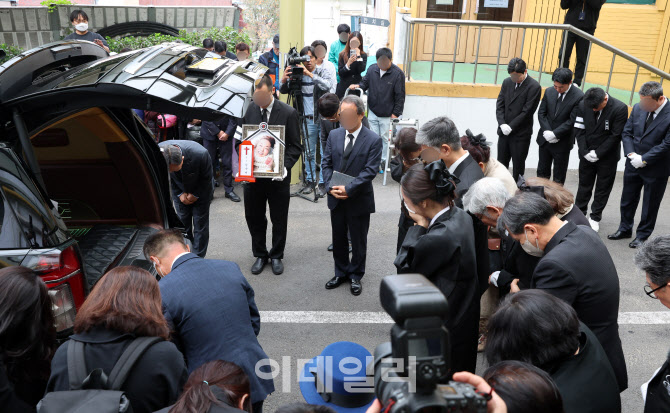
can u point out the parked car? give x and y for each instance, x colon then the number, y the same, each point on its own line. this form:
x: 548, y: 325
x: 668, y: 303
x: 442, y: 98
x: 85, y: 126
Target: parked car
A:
x: 82, y: 180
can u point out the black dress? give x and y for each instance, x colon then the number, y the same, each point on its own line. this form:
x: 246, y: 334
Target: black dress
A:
x: 586, y: 380
x: 405, y: 222
x: 351, y: 76
x: 445, y: 254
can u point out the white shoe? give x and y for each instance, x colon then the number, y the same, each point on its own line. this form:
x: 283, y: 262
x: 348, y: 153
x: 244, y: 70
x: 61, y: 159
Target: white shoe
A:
x: 594, y: 224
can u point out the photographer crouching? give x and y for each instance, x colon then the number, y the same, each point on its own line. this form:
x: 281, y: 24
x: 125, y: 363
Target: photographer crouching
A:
x: 307, y: 83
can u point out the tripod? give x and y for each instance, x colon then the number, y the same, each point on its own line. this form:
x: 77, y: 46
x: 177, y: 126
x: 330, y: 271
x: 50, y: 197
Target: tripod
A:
x: 295, y: 100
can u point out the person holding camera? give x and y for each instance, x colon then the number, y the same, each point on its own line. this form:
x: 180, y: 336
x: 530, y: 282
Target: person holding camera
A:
x: 441, y: 246
x: 315, y: 82
x: 351, y: 64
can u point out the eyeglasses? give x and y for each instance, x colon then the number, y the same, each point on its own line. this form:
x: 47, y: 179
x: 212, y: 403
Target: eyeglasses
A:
x: 652, y: 292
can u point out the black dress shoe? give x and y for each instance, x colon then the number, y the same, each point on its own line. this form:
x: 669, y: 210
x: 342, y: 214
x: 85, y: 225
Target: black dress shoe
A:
x: 277, y: 266
x: 330, y: 248
x: 335, y: 282
x: 620, y: 235
x: 233, y: 196
x: 258, y: 266
x: 217, y: 184
x: 636, y: 243
x: 356, y: 287
x: 322, y: 191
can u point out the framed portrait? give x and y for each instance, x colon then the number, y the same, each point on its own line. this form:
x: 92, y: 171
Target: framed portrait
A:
x: 268, y: 149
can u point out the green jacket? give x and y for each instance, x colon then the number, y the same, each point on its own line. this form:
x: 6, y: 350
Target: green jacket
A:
x: 334, y: 54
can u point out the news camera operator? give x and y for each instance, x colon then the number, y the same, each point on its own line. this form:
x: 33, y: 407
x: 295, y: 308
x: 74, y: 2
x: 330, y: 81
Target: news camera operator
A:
x: 315, y: 81
x: 441, y: 246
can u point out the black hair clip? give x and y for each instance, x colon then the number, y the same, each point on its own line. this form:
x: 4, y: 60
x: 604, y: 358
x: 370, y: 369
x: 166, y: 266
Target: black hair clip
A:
x: 523, y: 186
x: 477, y: 140
x: 444, y: 181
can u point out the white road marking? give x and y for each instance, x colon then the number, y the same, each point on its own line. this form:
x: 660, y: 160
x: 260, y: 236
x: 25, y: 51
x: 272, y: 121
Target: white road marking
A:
x: 371, y: 317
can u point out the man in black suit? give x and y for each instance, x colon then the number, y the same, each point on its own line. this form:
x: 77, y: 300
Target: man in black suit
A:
x: 516, y: 104
x: 557, y: 117
x: 598, y: 125
x: 273, y: 192
x: 575, y: 267
x: 219, y: 135
x: 582, y: 14
x: 646, y: 144
x: 440, y: 139
x: 356, y: 151
x: 211, y: 310
x: 192, y: 184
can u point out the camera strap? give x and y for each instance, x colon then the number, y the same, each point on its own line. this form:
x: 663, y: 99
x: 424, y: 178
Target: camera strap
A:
x: 349, y: 400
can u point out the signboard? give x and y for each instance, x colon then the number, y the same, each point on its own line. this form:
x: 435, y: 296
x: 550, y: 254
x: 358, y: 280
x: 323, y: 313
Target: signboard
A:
x: 501, y: 4
x: 373, y: 21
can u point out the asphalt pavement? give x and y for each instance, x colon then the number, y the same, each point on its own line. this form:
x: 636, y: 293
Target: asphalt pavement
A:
x: 300, y: 317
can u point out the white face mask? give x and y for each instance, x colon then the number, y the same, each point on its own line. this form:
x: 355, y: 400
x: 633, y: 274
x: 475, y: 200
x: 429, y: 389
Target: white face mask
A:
x: 82, y: 27
x: 531, y: 249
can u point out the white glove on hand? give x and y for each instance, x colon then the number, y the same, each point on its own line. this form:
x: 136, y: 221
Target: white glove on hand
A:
x: 549, y: 136
x: 506, y: 130
x: 636, y: 161
x: 591, y: 156
x: 282, y: 178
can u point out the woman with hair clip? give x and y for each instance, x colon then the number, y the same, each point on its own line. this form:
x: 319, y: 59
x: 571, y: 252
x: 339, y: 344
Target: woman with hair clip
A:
x: 480, y: 150
x: 215, y: 387
x: 27, y: 339
x: 441, y: 246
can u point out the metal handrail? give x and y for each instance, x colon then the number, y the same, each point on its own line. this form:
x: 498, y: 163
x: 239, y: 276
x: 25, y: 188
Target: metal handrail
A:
x: 412, y: 21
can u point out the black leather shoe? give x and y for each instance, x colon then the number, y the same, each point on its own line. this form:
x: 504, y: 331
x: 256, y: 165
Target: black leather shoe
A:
x: 322, y: 191
x: 636, y: 243
x: 620, y: 235
x: 356, y: 287
x: 258, y: 266
x: 330, y: 248
x: 233, y: 196
x: 277, y: 266
x: 217, y: 184
x: 335, y: 282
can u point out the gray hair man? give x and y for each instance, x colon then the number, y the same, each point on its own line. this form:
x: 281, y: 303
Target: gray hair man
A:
x: 653, y: 257
x: 575, y: 266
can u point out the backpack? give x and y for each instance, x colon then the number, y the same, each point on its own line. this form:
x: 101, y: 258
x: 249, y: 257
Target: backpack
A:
x: 94, y: 391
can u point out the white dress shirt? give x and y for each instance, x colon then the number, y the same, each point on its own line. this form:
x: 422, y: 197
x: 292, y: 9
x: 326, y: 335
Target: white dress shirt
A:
x: 432, y: 221
x: 176, y: 258
x: 355, y: 133
x: 269, y: 108
x: 454, y: 165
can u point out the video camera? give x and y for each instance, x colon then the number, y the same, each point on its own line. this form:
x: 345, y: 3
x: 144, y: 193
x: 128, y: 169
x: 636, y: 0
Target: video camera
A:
x: 420, y: 341
x: 294, y: 61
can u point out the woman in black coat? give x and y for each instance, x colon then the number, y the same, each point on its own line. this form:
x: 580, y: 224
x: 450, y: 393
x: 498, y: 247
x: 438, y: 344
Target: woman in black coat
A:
x: 124, y: 304
x: 536, y: 327
x: 27, y: 339
x: 441, y: 246
x: 351, y: 66
x: 409, y: 155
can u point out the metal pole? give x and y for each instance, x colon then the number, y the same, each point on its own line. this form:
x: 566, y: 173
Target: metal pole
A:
x: 523, y: 38
x: 586, y: 67
x: 544, y: 46
x: 609, y: 78
x: 408, y: 53
x: 453, y: 64
x: 411, y: 44
x: 495, y: 80
x: 479, y: 36
x: 632, y: 91
x: 565, y: 45
x: 432, y: 59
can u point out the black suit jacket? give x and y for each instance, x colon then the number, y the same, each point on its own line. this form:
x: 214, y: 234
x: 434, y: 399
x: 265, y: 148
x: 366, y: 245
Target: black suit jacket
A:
x: 363, y: 164
x: 444, y: 253
x: 468, y: 172
x: 516, y: 107
x: 653, y: 145
x: 195, y: 176
x: 210, y: 130
x: 578, y: 268
x: 212, y: 310
x: 560, y: 121
x: 604, y: 135
x: 284, y: 115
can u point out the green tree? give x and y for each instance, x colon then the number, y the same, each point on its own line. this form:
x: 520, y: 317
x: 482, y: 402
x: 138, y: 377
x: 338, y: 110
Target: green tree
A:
x: 262, y: 19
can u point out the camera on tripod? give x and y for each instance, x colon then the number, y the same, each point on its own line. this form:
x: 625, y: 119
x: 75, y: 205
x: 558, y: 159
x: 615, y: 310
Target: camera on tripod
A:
x: 419, y: 347
x: 294, y: 61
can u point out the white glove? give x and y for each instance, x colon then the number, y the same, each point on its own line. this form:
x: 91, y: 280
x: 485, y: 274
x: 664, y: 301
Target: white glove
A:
x: 591, y: 156
x: 282, y: 178
x: 636, y: 161
x: 506, y: 130
x: 549, y: 136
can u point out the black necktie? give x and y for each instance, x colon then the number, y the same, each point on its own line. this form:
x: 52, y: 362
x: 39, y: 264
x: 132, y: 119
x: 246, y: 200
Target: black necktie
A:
x: 598, y: 115
x: 650, y: 119
x: 264, y: 116
x: 558, y: 103
x: 347, y: 150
